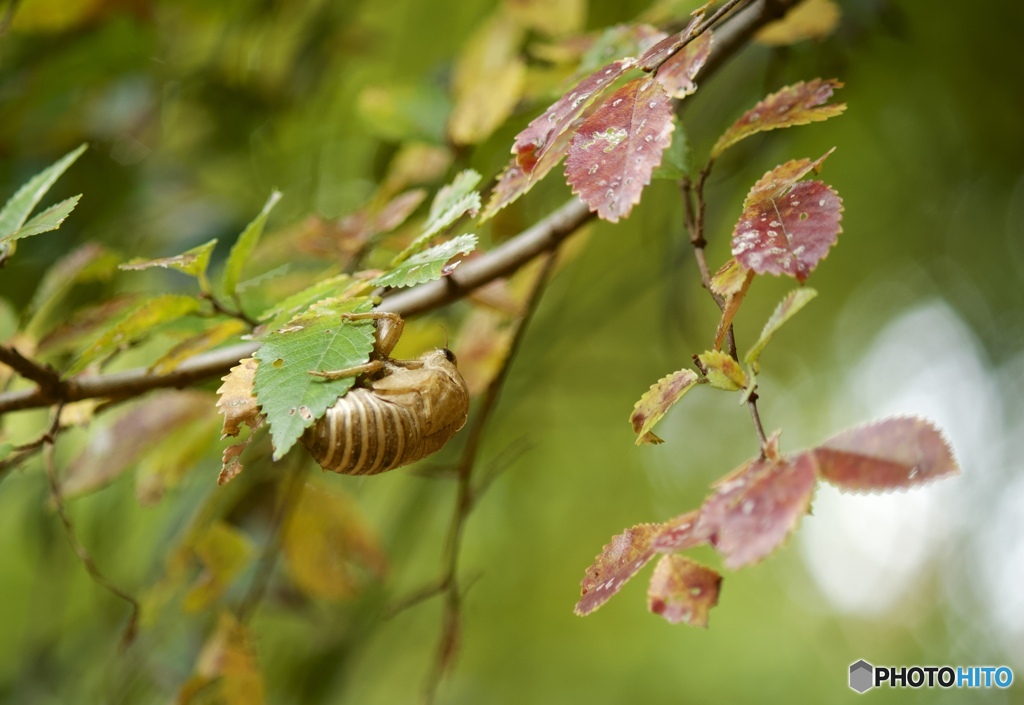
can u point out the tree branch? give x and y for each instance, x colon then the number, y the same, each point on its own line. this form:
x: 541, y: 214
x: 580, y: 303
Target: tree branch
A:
x: 502, y: 261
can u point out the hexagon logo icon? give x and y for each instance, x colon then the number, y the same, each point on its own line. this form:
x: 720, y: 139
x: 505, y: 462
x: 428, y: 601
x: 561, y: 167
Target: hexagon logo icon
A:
x: 861, y: 676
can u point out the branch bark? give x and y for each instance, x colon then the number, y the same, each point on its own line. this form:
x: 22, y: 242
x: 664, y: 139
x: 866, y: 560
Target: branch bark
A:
x: 730, y: 37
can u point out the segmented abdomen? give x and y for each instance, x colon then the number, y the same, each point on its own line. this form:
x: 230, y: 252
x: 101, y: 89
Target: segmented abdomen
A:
x: 363, y: 434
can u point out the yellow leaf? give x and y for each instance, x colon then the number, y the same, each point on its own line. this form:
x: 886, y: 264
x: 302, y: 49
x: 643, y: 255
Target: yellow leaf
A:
x: 489, y: 80
x: 810, y: 19
x: 223, y: 551
x: 555, y: 18
x: 237, y: 401
x: 326, y: 539
x: 209, y: 338
x: 228, y: 664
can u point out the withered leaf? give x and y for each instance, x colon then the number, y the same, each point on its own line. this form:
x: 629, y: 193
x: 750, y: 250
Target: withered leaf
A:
x: 676, y: 75
x: 723, y: 372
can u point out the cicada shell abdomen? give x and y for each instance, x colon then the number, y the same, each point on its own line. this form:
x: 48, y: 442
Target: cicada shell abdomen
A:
x: 407, y: 414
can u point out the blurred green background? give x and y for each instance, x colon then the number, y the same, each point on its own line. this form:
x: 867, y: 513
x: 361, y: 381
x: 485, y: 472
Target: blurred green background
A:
x: 195, y: 110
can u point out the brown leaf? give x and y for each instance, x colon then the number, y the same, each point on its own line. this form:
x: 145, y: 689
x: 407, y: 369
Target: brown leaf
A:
x: 237, y: 401
x: 891, y: 454
x: 789, y: 234
x: 512, y: 184
x: 656, y: 402
x: 683, y: 590
x: 676, y: 75
x: 799, y: 104
x: 616, y: 149
x: 754, y: 509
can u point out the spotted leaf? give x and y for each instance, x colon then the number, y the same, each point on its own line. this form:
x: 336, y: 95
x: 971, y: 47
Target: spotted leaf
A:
x: 676, y: 75
x: 789, y: 232
x: 754, y: 509
x: 620, y: 560
x: 616, y: 149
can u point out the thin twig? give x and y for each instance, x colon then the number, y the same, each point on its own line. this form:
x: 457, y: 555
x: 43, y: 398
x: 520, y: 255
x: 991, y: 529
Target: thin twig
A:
x: 448, y: 643
x: 49, y: 445
x: 48, y: 380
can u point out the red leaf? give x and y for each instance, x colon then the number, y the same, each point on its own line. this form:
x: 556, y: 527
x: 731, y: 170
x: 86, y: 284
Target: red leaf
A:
x: 676, y: 75
x: 798, y: 104
x: 891, y: 454
x: 791, y: 233
x: 540, y: 140
x: 756, y: 508
x: 620, y: 560
x: 683, y: 590
x: 615, y: 150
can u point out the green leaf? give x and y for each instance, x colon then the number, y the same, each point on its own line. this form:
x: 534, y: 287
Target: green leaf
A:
x: 319, y: 340
x: 49, y: 219
x: 193, y: 262
x: 656, y: 402
x: 136, y: 326
x: 242, y: 250
x: 274, y: 318
x: 723, y: 372
x: 450, y: 204
x: 429, y: 264
x: 787, y: 308
x: 16, y: 211
x: 5, y: 450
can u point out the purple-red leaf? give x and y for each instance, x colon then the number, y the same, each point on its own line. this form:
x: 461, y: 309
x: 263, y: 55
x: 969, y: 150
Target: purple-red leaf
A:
x: 539, y: 143
x: 678, y: 534
x: 789, y: 233
x: 657, y: 400
x: 676, y: 75
x: 798, y: 104
x: 892, y: 454
x: 615, y: 149
x: 512, y: 184
x: 683, y: 590
x: 620, y: 560
x: 755, y: 509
